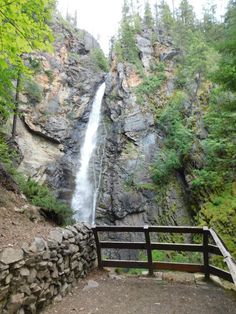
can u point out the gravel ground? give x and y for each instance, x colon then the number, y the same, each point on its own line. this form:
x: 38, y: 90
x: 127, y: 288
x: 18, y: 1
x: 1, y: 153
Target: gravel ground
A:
x: 103, y: 294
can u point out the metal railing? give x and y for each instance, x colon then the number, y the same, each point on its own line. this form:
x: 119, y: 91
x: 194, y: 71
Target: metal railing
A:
x: 218, y: 248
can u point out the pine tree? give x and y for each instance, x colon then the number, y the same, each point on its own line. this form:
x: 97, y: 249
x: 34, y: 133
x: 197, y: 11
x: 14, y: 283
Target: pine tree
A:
x: 186, y: 14
x: 148, y: 18
x: 126, y: 47
x: 226, y: 74
x: 166, y: 18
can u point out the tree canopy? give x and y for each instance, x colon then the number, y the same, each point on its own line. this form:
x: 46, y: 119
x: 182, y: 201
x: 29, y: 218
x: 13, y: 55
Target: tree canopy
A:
x: 24, y: 28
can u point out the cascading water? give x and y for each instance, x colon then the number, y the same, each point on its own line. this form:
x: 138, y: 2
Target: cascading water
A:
x: 84, y: 198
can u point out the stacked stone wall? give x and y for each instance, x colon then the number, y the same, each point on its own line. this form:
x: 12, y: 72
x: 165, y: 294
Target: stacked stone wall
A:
x: 46, y: 270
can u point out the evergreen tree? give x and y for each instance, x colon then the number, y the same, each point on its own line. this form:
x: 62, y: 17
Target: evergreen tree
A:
x: 126, y: 48
x: 148, y: 18
x: 226, y: 74
x: 166, y: 18
x: 185, y: 14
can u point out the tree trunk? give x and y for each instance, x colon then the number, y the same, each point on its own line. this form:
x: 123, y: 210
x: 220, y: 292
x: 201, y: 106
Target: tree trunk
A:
x: 16, y: 105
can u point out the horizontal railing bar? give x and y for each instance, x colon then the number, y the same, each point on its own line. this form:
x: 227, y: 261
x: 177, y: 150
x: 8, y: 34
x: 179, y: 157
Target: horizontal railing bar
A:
x: 214, y: 249
x: 176, y: 229
x: 119, y: 229
x: 220, y: 273
x: 124, y: 264
x: 191, y: 268
x: 123, y: 245
x: 164, y: 229
x: 154, y: 246
x: 177, y: 247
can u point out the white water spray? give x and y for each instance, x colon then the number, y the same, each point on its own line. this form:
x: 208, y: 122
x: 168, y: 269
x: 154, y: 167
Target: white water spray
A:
x: 85, y: 195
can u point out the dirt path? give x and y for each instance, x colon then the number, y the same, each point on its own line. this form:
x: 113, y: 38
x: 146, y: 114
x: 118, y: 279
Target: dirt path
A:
x: 103, y: 294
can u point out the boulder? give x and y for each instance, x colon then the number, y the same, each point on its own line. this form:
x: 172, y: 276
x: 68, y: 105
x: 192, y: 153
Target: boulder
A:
x: 10, y: 255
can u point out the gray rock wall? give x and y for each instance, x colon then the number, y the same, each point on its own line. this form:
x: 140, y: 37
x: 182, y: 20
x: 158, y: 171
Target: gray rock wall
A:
x: 133, y: 140
x: 35, y: 275
x: 52, y: 125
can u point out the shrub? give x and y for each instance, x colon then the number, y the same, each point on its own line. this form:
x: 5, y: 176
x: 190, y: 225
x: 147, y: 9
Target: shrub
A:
x: 165, y: 165
x: 178, y: 141
x: 4, y: 152
x: 220, y: 213
x: 149, y: 86
x: 39, y: 195
x: 33, y: 91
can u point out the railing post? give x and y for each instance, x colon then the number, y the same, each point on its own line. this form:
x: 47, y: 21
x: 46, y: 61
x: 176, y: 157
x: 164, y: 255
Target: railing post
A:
x: 205, y: 252
x: 149, y: 250
x: 98, y: 247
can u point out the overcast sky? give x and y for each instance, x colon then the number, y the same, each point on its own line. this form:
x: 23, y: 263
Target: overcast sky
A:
x: 101, y: 17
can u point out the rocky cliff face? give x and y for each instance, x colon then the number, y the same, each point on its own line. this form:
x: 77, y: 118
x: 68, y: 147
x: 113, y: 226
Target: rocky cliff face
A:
x: 54, y: 114
x: 54, y: 108
x: 127, y: 195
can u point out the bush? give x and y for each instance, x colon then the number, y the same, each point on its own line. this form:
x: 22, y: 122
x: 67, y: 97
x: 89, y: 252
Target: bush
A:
x: 39, y: 195
x: 4, y: 152
x: 164, y: 166
x: 33, y: 91
x: 178, y: 141
x: 220, y: 213
x: 149, y: 86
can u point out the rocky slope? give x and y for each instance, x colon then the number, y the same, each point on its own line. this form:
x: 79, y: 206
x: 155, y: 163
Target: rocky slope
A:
x: 54, y: 108
x: 133, y: 140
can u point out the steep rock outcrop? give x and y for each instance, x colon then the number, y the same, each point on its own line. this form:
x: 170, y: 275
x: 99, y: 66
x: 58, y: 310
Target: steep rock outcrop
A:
x: 54, y: 108
x: 133, y: 139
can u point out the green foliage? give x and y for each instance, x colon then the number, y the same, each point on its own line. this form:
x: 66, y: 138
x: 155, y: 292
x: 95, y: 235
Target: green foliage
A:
x: 226, y: 75
x: 24, y: 29
x: 220, y: 214
x: 125, y: 46
x: 218, y: 148
x: 166, y: 163
x: 185, y: 14
x: 176, y: 257
x: 149, y: 85
x: 166, y: 19
x: 148, y: 18
x: 99, y: 59
x: 128, y: 43
x: 190, y: 64
x: 50, y: 75
x: 39, y: 195
x: 6, y: 90
x: 178, y: 141
x: 33, y: 91
x: 6, y: 154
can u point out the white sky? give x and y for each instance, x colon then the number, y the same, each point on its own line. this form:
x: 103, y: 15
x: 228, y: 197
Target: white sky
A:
x: 101, y: 17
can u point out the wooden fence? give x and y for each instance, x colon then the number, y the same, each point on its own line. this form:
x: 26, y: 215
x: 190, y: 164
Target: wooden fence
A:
x: 218, y: 248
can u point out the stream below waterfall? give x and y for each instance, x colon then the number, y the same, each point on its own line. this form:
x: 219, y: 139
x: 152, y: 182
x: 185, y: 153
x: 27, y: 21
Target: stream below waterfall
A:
x: 85, y: 195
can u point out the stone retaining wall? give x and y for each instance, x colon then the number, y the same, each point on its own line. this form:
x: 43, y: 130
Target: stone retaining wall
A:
x: 33, y: 276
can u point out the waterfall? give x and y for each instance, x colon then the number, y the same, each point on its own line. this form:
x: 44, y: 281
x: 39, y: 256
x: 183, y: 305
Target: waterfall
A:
x: 85, y: 195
